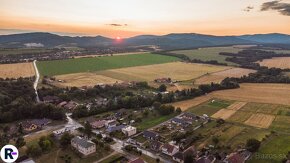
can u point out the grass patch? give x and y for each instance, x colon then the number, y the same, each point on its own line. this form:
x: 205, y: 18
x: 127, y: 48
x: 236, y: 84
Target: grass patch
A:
x: 153, y: 120
x: 281, y: 124
x: 240, y: 116
x: 276, y: 150
x: 210, y: 107
x: 78, y: 65
x: 207, y: 54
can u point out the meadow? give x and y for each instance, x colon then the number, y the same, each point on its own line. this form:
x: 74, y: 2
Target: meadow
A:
x: 273, y: 151
x: 68, y: 66
x: 211, y: 53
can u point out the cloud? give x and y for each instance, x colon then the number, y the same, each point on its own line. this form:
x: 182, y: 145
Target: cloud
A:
x: 117, y: 25
x: 282, y: 7
x: 248, y: 8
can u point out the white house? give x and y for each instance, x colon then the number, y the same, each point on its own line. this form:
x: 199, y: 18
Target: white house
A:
x: 84, y: 146
x: 129, y: 130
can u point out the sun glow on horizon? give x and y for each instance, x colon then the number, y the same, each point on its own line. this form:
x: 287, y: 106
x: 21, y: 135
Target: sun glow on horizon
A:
x: 129, y: 18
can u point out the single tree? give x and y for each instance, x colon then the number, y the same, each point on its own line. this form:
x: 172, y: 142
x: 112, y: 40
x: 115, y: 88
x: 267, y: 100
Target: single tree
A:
x: 162, y: 88
x: 20, y: 142
x: 253, y: 145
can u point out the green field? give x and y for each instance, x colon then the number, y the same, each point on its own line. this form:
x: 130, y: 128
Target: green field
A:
x: 273, y: 151
x: 230, y: 135
x: 209, y: 107
x: 153, y: 120
x: 78, y: 65
x: 207, y: 54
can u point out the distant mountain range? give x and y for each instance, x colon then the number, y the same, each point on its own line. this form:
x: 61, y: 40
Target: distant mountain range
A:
x: 170, y: 41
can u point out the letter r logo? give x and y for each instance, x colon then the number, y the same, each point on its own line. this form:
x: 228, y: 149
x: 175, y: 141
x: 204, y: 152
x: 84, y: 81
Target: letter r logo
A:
x: 9, y: 153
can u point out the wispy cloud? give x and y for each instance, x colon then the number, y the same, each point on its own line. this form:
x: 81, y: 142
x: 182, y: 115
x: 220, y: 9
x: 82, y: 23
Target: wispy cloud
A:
x: 282, y: 7
x: 117, y: 25
x: 248, y: 8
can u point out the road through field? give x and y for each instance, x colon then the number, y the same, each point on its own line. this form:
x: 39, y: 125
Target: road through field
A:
x: 36, y: 80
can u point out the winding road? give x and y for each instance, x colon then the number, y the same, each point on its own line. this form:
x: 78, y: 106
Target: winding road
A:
x: 37, y: 76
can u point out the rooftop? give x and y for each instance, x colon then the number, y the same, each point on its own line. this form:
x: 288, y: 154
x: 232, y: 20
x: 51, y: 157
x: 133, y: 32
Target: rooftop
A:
x: 82, y: 142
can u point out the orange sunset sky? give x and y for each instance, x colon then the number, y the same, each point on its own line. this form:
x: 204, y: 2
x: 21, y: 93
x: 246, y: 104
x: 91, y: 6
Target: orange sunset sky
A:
x: 126, y: 18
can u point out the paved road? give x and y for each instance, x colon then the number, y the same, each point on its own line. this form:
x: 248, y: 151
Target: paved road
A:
x: 36, y: 80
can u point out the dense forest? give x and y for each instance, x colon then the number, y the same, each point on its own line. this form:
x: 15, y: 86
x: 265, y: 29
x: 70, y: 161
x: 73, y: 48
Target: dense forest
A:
x: 17, y: 102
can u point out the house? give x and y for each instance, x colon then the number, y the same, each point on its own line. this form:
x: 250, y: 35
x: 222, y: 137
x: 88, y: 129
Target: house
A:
x: 180, y: 122
x: 28, y: 126
x: 163, y: 80
x: 150, y: 135
x: 51, y: 99
x: 101, y: 101
x: 178, y: 157
x: 155, y: 145
x: 110, y: 123
x: 98, y: 124
x: 115, y: 128
x: 41, y: 122
x: 71, y: 105
x: 138, y: 160
x: 190, y: 116
x: 169, y: 149
x: 234, y: 158
x: 129, y: 130
x: 84, y: 146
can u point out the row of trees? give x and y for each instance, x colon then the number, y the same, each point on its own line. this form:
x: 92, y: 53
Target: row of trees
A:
x: 134, y: 101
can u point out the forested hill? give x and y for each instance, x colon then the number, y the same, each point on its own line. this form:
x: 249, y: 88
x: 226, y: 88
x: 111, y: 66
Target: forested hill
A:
x: 169, y: 41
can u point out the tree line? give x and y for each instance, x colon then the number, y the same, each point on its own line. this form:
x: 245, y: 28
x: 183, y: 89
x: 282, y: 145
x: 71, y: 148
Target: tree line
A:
x: 17, y: 102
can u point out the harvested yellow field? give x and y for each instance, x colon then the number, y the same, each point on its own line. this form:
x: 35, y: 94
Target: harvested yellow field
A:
x: 231, y: 110
x: 184, y: 105
x: 237, y: 106
x: 17, y: 70
x: 260, y: 93
x: 260, y: 120
x: 175, y: 70
x: 83, y: 79
x: 224, y: 114
x: 217, y: 77
x: 279, y: 62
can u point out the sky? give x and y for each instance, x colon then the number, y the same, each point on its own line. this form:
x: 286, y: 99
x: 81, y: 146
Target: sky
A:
x: 127, y: 18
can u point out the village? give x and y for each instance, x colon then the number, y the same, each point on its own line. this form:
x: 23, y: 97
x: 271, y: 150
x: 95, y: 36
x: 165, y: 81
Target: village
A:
x: 169, y: 141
